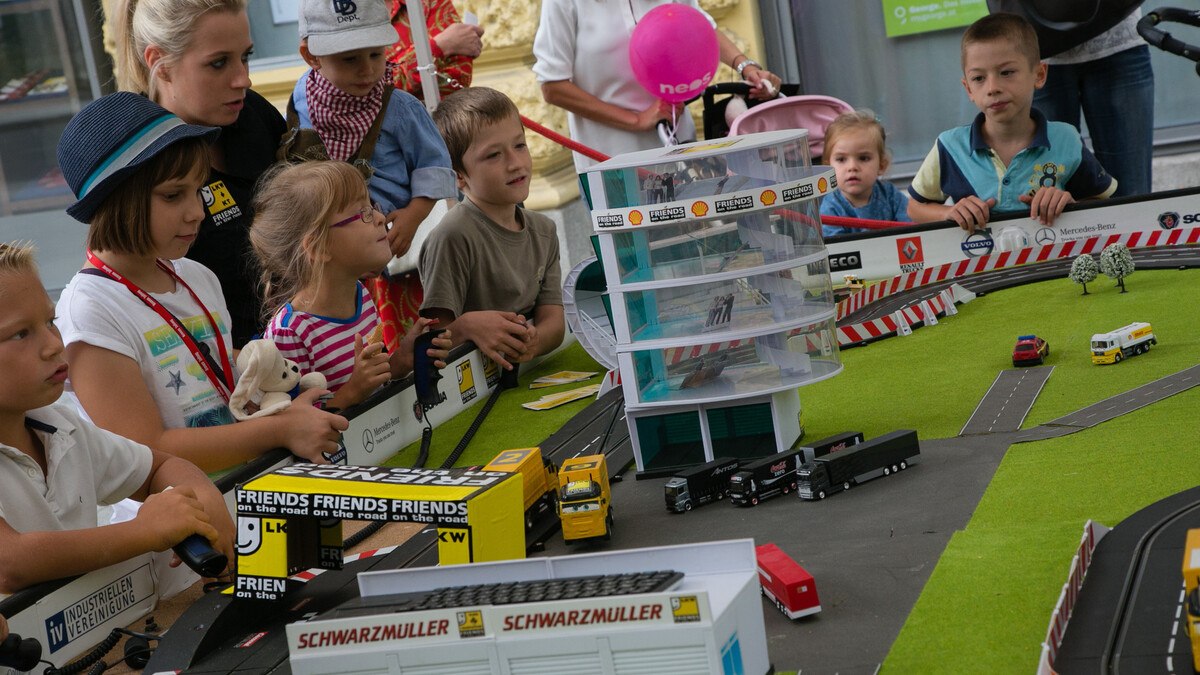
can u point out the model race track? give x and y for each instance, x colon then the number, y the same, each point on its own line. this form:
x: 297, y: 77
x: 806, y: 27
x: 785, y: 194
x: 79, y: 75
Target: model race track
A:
x: 1128, y: 618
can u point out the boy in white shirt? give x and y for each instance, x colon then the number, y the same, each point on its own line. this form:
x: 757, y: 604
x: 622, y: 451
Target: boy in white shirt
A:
x: 56, y: 467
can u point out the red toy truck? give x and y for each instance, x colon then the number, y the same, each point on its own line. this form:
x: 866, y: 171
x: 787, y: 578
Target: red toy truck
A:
x: 786, y: 583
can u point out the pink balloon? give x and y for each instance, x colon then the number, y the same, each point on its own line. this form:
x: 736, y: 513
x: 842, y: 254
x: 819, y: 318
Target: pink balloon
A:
x: 673, y: 52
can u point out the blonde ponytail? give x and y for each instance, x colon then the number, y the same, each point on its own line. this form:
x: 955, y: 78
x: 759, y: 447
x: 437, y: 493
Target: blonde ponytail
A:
x: 167, y: 24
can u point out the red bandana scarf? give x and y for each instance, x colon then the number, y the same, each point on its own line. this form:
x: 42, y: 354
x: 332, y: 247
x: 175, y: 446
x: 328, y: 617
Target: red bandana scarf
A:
x: 340, y: 119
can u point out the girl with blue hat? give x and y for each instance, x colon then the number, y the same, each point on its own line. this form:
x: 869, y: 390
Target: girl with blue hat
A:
x: 142, y: 319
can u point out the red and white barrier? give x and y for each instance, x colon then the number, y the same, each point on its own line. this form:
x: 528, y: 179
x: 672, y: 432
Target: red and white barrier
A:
x: 1093, y: 532
x: 1034, y: 254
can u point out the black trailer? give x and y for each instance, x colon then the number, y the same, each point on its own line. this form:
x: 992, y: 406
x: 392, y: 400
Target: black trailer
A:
x: 830, y: 444
x: 838, y: 471
x: 699, y: 485
x: 764, y: 478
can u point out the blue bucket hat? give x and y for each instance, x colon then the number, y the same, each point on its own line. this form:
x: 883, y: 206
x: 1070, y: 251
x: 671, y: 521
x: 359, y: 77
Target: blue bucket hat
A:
x: 111, y: 138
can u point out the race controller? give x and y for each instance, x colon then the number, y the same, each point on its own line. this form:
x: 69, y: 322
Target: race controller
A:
x: 19, y: 654
x: 425, y: 374
x: 198, y: 554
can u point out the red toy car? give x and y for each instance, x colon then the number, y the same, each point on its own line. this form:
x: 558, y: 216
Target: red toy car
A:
x: 1030, y: 349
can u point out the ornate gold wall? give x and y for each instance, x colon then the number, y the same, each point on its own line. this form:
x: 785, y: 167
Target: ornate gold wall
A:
x: 506, y: 65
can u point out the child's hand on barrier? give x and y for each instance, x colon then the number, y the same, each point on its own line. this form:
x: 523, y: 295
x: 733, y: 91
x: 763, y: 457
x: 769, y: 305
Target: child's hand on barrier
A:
x: 531, y: 341
x: 402, y: 360
x: 1047, y: 204
x: 499, y: 335
x: 972, y: 213
x: 168, y: 517
x: 309, y: 431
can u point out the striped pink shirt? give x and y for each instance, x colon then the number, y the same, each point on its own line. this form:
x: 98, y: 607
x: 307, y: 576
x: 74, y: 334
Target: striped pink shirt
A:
x: 321, y: 344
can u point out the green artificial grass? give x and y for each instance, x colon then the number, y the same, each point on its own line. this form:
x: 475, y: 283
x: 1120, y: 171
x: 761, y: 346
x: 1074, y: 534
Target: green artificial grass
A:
x: 933, y: 379
x: 989, y: 600
x: 509, y: 425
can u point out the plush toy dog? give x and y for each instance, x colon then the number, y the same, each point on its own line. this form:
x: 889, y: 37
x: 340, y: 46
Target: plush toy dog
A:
x: 269, y: 382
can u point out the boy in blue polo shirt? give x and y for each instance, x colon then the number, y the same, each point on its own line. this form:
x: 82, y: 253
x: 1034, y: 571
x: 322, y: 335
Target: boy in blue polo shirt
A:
x: 1010, y: 158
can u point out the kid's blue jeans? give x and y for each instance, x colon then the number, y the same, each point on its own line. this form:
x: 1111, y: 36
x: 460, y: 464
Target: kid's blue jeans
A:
x: 1116, y: 95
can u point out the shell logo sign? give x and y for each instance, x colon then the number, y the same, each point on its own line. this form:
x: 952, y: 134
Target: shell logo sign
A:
x: 767, y: 197
x: 635, y: 217
x: 822, y: 185
x: 699, y: 209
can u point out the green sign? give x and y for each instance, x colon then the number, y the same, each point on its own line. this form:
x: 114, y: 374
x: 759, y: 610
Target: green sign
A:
x: 917, y: 16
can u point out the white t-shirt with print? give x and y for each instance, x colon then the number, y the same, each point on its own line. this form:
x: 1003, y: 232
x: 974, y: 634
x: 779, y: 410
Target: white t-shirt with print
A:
x: 99, y: 311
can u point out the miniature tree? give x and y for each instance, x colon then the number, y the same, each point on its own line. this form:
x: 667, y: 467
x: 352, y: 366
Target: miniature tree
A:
x: 1084, y: 270
x: 1116, y: 262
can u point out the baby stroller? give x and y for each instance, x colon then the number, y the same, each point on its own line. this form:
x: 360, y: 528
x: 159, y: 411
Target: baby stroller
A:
x: 1147, y: 28
x: 792, y: 112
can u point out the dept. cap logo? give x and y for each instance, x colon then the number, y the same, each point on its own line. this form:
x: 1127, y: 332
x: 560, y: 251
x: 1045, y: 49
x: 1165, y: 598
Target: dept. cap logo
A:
x: 345, y: 7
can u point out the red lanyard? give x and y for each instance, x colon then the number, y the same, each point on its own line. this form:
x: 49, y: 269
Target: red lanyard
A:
x: 224, y: 383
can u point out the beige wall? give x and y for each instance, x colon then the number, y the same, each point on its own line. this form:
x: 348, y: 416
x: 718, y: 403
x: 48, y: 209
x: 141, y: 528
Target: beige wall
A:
x: 505, y: 65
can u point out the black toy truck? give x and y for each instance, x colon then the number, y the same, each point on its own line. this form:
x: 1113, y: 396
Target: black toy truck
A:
x: 764, y: 478
x: 880, y: 456
x: 699, y: 485
x: 830, y: 444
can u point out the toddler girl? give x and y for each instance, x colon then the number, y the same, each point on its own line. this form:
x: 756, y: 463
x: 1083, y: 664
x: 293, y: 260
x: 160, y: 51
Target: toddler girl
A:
x: 854, y: 147
x: 317, y: 234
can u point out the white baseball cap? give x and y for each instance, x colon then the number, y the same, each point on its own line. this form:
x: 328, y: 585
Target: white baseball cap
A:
x: 336, y: 26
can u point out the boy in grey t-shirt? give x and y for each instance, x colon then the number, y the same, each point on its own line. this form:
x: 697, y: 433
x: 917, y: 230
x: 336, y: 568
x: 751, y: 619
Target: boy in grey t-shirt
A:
x: 490, y: 269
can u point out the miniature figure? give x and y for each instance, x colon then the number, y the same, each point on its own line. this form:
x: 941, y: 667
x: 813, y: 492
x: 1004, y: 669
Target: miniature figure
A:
x: 703, y: 374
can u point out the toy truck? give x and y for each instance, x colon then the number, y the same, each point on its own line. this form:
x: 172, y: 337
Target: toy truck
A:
x: 699, y: 485
x: 1130, y: 340
x: 539, y: 478
x: 584, y: 498
x: 831, y: 444
x: 880, y: 456
x: 786, y: 583
x: 1191, y: 589
x: 764, y: 478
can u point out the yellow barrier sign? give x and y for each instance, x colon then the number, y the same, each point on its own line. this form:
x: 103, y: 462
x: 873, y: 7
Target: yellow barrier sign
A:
x: 290, y: 519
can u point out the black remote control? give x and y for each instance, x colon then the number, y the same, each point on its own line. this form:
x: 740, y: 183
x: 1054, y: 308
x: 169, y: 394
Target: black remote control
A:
x: 20, y: 653
x: 425, y: 374
x: 198, y: 554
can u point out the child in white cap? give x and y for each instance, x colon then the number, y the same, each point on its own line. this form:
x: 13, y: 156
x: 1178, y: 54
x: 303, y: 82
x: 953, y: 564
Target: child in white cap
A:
x: 345, y: 108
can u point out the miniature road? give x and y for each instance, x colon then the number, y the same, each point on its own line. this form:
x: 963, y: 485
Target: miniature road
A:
x: 1007, y: 401
x: 1120, y: 624
x: 1131, y: 400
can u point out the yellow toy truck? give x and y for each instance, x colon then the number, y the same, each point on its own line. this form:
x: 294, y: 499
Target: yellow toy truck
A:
x: 539, y: 479
x: 1112, y: 347
x: 584, y: 498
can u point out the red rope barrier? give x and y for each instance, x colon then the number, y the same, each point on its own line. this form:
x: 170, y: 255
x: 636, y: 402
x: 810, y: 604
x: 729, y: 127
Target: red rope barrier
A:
x: 563, y: 140
x: 861, y: 223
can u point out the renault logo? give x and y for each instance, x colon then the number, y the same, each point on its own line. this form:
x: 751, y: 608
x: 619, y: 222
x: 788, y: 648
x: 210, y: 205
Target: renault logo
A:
x: 1044, y: 236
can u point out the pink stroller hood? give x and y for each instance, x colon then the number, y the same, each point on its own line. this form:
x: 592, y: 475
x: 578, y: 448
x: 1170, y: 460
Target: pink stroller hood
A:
x: 795, y: 112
